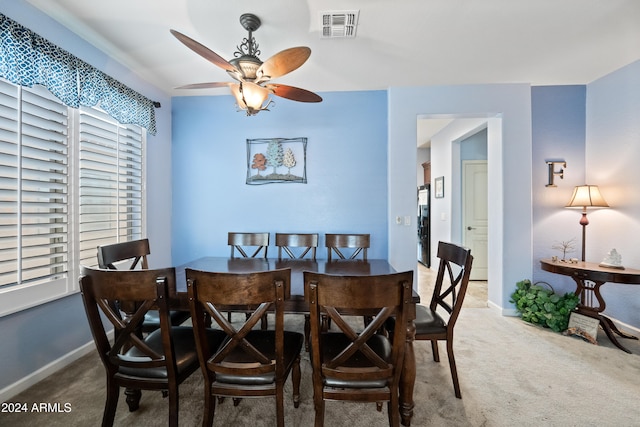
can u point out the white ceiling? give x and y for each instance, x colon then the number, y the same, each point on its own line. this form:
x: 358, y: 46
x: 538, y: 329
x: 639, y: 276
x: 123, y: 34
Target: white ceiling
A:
x: 398, y: 43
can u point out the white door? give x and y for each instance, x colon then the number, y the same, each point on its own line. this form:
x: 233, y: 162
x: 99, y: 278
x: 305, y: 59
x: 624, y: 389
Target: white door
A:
x: 475, y: 215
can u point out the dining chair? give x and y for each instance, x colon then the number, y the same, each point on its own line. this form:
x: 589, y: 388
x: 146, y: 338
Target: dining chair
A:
x: 307, y: 241
x: 251, y: 362
x: 238, y: 241
x: 356, y: 243
x: 352, y: 364
x: 163, y: 359
x: 132, y: 255
x: 436, y: 322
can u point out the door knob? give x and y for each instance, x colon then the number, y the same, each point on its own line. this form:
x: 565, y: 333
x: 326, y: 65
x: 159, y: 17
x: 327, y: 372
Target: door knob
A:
x: 470, y: 228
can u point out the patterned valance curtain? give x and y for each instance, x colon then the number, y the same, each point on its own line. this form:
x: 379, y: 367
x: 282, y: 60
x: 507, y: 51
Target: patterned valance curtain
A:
x: 27, y: 59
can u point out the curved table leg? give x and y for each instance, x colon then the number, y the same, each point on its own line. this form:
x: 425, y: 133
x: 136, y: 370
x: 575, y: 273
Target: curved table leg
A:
x: 408, y: 377
x: 587, y: 289
x: 615, y: 329
x: 609, y: 328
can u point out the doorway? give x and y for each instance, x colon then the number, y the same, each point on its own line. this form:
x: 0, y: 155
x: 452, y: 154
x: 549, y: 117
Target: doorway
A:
x: 461, y: 156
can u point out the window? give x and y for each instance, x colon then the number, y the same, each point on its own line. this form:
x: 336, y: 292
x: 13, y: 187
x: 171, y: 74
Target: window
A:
x: 70, y: 180
x: 110, y: 163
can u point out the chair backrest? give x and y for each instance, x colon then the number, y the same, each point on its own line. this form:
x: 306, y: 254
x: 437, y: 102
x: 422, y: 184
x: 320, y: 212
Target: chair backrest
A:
x: 307, y: 241
x: 238, y: 240
x: 124, y: 297
x: 381, y: 296
x: 212, y: 293
x: 358, y: 242
x: 452, y: 279
x: 135, y: 250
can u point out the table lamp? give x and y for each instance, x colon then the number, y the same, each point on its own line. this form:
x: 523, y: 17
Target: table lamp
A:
x: 586, y: 196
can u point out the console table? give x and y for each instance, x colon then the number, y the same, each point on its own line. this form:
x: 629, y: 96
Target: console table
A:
x: 589, y: 276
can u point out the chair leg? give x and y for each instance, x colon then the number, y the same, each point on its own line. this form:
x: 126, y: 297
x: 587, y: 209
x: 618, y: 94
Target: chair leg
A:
x: 307, y: 331
x: 111, y: 404
x: 209, y: 406
x: 295, y: 379
x: 174, y: 406
x: 319, y: 406
x: 434, y: 350
x: 452, y: 366
x: 280, y: 404
x: 318, y: 399
x: 325, y: 323
x: 133, y: 398
x: 366, y: 320
x: 393, y: 408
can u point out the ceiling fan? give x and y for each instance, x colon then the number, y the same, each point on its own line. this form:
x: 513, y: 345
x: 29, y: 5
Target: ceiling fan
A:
x: 253, y: 76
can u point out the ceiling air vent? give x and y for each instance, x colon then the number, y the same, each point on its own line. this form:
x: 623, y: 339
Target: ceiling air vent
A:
x: 339, y: 24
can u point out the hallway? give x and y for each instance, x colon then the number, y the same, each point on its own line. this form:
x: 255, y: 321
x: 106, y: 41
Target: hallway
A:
x: 476, y: 291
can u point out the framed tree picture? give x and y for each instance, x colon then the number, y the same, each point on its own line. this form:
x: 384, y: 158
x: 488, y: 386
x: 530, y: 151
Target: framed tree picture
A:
x: 276, y: 160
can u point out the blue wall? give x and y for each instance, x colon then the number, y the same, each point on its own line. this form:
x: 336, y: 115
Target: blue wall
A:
x: 474, y: 147
x: 507, y: 108
x: 612, y: 159
x: 346, y: 188
x: 559, y: 120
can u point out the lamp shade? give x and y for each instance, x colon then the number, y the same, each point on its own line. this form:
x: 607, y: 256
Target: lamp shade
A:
x: 250, y: 97
x: 587, y: 196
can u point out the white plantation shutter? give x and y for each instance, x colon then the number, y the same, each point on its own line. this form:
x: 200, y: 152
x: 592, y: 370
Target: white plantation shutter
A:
x: 70, y: 180
x: 9, y: 151
x: 131, y: 185
x: 110, y: 185
x: 34, y: 150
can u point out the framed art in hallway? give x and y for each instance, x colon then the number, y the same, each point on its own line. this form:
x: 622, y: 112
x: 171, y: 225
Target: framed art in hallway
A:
x: 438, y: 191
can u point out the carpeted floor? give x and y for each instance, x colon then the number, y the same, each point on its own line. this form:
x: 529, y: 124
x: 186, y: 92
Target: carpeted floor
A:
x: 511, y: 373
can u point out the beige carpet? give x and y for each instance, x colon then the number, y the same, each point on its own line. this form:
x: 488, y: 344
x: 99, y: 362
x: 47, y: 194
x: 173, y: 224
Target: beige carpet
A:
x: 476, y: 296
x: 511, y: 373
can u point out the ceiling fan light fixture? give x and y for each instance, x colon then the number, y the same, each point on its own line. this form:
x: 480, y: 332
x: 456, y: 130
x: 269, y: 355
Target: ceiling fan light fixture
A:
x: 248, y: 66
x: 251, y: 97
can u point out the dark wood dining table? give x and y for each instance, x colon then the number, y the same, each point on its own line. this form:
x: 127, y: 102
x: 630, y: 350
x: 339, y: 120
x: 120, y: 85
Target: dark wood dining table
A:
x: 297, y: 303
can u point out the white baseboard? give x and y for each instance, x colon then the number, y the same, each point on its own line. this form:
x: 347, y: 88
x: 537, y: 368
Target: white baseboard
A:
x: 42, y: 373
x: 511, y: 312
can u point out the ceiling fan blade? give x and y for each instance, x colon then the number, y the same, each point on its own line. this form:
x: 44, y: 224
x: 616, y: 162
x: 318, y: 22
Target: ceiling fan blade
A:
x: 211, y: 85
x: 283, y: 62
x: 204, y: 51
x: 293, y: 93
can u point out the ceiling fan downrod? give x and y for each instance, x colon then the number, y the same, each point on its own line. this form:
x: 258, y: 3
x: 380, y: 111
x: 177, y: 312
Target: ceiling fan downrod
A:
x: 249, y: 47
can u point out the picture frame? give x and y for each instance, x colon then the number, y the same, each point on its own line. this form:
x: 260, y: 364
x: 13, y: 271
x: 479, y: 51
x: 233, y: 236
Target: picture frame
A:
x: 438, y: 191
x: 276, y: 160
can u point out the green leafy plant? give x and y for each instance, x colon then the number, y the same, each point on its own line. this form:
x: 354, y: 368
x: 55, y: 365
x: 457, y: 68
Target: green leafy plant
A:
x: 539, y: 305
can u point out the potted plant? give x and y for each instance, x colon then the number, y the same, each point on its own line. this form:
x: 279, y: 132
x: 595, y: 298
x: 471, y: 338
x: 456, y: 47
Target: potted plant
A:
x: 540, y: 305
